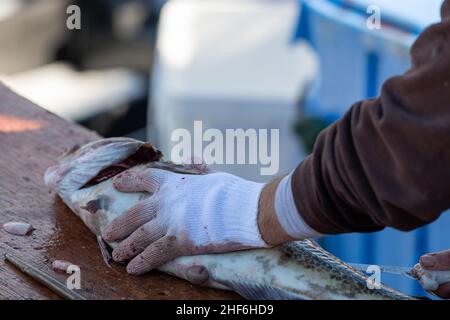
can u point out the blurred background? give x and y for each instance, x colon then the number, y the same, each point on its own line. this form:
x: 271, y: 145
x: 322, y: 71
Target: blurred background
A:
x: 142, y: 68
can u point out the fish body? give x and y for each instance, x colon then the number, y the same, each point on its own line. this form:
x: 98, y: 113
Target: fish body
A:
x: 298, y: 270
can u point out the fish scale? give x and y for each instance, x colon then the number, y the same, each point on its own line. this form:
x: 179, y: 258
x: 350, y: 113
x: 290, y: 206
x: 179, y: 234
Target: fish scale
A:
x: 297, y: 270
x: 312, y: 253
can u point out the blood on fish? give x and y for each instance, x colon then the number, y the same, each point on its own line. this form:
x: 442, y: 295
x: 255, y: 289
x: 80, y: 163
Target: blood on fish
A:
x: 146, y: 153
x: 93, y: 206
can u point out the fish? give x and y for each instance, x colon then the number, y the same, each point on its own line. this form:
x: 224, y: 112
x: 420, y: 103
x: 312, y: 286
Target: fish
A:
x: 299, y: 270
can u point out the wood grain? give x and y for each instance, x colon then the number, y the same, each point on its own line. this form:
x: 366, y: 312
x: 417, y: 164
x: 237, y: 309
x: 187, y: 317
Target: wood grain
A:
x: 31, y: 139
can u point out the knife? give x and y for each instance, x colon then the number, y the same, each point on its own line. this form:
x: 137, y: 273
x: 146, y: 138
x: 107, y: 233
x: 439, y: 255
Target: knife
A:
x: 401, y: 271
x: 429, y: 279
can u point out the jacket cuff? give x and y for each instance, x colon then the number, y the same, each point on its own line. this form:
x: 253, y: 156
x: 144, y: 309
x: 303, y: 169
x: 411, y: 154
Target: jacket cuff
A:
x: 288, y: 214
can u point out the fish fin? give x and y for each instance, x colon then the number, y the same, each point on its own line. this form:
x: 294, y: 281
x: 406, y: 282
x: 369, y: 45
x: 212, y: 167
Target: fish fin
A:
x: 104, y: 251
x: 252, y: 290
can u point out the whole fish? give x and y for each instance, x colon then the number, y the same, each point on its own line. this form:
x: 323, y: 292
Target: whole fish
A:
x: 298, y: 270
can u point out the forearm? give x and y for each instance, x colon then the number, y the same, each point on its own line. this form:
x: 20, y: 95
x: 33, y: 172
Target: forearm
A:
x: 386, y: 162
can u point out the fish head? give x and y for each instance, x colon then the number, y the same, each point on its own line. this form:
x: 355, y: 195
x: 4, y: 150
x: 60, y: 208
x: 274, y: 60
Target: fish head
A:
x: 97, y: 161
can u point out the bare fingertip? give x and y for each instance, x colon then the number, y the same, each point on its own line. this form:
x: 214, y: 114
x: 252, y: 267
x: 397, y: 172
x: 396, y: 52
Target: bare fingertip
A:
x: 427, y: 261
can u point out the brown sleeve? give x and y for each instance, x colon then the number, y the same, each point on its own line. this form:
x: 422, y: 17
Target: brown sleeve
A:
x: 387, y: 161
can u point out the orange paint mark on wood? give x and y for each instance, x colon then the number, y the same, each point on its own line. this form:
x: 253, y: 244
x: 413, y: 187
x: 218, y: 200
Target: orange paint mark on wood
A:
x: 9, y: 124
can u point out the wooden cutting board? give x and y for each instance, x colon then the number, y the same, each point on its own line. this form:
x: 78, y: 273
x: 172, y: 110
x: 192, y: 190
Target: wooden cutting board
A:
x: 31, y: 139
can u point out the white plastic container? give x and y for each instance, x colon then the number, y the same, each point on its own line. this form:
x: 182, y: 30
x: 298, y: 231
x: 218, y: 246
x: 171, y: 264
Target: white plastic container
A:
x: 231, y: 64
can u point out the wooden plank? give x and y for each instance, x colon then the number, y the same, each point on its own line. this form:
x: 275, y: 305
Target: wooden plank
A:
x: 31, y: 139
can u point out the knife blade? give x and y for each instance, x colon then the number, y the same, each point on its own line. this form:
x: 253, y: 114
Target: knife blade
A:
x: 430, y: 280
x: 401, y: 271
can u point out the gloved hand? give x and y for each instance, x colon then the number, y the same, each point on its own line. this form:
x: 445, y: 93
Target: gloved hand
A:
x: 186, y: 215
x: 438, y: 261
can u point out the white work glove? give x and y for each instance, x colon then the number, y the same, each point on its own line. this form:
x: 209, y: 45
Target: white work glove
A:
x: 186, y: 215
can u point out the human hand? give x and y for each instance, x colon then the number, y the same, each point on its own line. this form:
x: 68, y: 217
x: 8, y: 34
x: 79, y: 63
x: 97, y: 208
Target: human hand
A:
x: 438, y: 261
x: 185, y: 215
